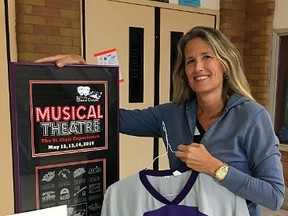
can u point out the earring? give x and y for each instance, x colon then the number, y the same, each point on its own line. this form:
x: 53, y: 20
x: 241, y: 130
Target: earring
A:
x: 225, y: 76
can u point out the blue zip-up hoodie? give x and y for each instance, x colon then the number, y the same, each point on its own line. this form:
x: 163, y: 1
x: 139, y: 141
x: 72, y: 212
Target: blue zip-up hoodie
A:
x: 243, y: 137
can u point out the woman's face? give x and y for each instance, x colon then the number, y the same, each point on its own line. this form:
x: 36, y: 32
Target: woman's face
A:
x: 203, y: 70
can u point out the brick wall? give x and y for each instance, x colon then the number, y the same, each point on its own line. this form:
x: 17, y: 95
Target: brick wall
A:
x: 46, y: 27
x: 232, y: 21
x: 258, y: 44
x: 249, y: 25
x: 285, y: 165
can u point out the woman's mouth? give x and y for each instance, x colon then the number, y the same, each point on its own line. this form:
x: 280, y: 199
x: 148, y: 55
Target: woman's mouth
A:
x: 201, y: 77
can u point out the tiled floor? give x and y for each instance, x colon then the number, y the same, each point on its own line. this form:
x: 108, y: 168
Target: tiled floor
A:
x: 267, y: 212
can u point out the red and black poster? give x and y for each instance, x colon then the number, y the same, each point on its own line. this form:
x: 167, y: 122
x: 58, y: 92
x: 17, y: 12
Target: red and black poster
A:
x: 70, y: 118
x: 65, y: 135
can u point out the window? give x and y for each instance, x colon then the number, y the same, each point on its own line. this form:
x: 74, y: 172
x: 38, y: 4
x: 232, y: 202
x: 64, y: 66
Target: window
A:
x: 281, y: 108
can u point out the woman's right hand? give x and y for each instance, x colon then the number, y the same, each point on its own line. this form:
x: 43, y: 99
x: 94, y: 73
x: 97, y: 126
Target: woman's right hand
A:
x: 62, y: 59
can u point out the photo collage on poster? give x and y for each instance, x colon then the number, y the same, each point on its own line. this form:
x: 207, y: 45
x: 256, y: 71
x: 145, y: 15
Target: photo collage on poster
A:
x: 78, y: 185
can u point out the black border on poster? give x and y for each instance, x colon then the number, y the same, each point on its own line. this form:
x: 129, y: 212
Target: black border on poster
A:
x: 24, y: 162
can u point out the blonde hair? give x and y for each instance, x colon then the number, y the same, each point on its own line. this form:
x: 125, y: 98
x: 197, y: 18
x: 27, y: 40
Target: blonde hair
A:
x: 235, y: 81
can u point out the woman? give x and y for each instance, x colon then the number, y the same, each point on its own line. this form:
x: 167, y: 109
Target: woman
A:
x: 213, y: 122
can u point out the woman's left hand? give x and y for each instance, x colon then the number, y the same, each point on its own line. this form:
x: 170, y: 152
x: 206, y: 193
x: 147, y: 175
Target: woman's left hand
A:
x: 196, y: 157
x: 62, y: 59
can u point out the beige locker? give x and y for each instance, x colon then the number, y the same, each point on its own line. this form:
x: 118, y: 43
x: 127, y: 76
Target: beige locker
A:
x: 6, y: 176
x: 107, y: 27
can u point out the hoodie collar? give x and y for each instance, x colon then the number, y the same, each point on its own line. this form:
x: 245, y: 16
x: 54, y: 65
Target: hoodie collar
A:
x: 191, y: 108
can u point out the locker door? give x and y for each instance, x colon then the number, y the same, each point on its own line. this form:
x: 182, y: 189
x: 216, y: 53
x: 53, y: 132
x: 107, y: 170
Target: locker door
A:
x: 107, y: 26
x: 6, y: 166
x: 171, y: 28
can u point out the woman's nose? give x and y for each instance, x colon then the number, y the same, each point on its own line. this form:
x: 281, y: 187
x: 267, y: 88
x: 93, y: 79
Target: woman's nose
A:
x: 199, y: 66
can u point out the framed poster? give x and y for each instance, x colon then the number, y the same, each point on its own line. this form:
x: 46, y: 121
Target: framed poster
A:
x: 65, y: 135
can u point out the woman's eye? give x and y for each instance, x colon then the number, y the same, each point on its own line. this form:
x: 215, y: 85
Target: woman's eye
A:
x: 190, y: 61
x: 206, y: 57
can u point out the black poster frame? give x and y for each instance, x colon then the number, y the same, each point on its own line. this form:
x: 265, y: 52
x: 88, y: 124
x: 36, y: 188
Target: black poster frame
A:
x: 65, y: 135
